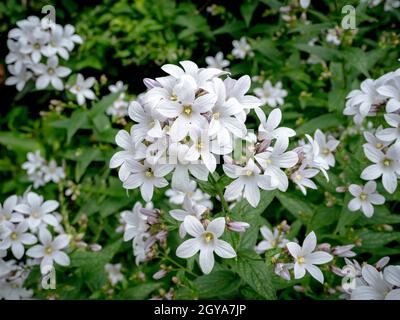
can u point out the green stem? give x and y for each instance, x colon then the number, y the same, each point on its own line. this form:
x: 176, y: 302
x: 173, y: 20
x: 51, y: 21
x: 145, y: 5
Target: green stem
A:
x: 165, y: 257
x: 225, y: 207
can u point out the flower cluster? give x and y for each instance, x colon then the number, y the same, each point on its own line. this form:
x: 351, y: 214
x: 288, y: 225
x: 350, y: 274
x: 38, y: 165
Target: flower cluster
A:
x: 119, y: 107
x: 142, y: 226
x: 370, y: 282
x: 40, y: 172
x: 378, y: 98
x: 35, y: 47
x: 25, y: 222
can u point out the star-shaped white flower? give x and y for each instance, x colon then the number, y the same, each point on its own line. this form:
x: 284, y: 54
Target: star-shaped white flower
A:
x: 365, y: 197
x: 206, y: 241
x: 306, y: 259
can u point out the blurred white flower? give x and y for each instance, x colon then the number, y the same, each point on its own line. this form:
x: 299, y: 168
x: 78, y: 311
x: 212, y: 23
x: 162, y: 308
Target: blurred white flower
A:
x: 82, y: 89
x: 241, y: 48
x: 218, y: 61
x: 271, y: 95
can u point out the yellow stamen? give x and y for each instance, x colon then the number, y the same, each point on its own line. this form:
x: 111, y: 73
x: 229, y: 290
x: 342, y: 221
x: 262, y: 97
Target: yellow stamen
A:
x: 300, y: 260
x: 363, y: 196
x: 173, y: 97
x: 387, y: 162
x: 208, y: 236
x: 14, y: 236
x: 187, y: 109
x: 149, y: 173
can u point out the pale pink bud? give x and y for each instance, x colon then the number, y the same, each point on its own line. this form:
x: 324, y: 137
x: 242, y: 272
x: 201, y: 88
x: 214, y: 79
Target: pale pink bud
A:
x: 344, y: 251
x: 160, y: 274
x: 237, y: 226
x: 151, y: 83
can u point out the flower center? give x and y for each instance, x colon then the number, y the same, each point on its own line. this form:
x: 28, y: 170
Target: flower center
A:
x: 173, y: 97
x: 268, y: 161
x: 77, y: 88
x: 387, y: 162
x: 301, y: 260
x: 199, y: 145
x: 299, y: 176
x: 187, y: 109
x: 50, y: 71
x: 35, y: 215
x: 325, y: 151
x: 249, y: 173
x: 14, y: 236
x: 379, y: 145
x: 48, y: 250
x: 216, y: 115
x: 208, y: 236
x: 37, y: 45
x: 363, y: 196
x: 149, y: 173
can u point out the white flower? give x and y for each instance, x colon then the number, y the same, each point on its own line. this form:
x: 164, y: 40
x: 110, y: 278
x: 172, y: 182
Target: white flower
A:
x: 386, y: 165
x: 390, y: 134
x: 35, y: 162
x: 53, y: 173
x: 35, y: 45
x: 365, y: 197
x: 118, y: 86
x: 38, y: 210
x: 269, y: 129
x: 114, y: 273
x: 365, y: 98
x: 56, y: 43
x: 7, y: 213
x: 187, y: 109
x: 301, y: 178
x: 70, y: 38
x: 145, y: 176
x: 50, y: 250
x: 248, y: 179
x: 326, y: 147
x: 225, y: 115
x: 306, y: 259
x: 305, y: 3
x: 132, y: 151
x: 206, y: 241
x: 188, y: 209
x: 195, y: 194
x: 271, y: 95
x: 14, y: 290
x: 333, y: 37
x: 51, y: 73
x: 218, y: 61
x: 19, y: 78
x: 376, y: 286
x: 237, y: 89
x: 82, y: 89
x: 135, y: 222
x: 391, y: 90
x: 15, y: 237
x: 241, y: 48
x: 271, y: 240
x: 147, y: 126
x: 272, y: 162
x: 375, y: 142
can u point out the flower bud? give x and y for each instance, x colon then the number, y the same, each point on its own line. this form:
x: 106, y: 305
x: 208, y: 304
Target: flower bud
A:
x: 237, y: 226
x: 151, y: 83
x: 160, y: 274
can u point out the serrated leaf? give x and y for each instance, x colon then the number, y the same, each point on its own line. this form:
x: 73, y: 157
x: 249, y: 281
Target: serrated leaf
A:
x: 258, y: 276
x: 226, y: 282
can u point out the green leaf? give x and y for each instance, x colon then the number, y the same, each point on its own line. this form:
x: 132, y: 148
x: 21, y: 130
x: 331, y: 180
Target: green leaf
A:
x: 78, y: 119
x: 84, y: 160
x: 101, y: 106
x: 243, y: 208
x: 247, y: 10
x: 140, y: 292
x: 327, y: 54
x: 226, y: 282
x: 258, y: 276
x: 18, y: 142
x: 347, y: 217
x: 323, y: 122
x: 295, y: 206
